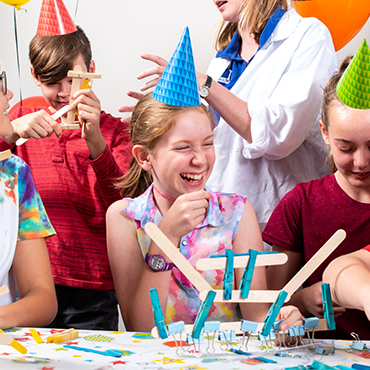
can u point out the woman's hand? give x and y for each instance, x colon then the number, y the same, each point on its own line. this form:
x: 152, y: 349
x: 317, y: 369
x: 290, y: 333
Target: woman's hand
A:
x: 153, y: 71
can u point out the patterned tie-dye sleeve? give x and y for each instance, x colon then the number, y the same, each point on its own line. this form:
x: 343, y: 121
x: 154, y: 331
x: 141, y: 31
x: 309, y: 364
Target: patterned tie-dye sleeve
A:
x: 33, y: 220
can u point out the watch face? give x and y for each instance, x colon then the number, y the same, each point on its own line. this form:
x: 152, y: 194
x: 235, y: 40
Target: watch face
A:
x: 156, y: 263
x: 203, y: 91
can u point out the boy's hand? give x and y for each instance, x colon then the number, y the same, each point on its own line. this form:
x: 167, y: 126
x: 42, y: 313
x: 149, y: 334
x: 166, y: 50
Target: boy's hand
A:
x: 89, y: 110
x: 37, y: 125
x: 185, y: 214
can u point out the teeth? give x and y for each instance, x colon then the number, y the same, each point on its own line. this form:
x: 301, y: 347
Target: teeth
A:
x: 191, y: 177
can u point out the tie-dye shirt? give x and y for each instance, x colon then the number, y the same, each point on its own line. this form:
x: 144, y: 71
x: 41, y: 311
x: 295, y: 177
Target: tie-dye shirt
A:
x: 212, y: 236
x: 22, y: 216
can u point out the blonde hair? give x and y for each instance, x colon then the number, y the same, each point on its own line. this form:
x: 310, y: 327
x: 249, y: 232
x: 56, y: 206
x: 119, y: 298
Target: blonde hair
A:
x: 331, y: 99
x: 254, y: 16
x: 150, y: 120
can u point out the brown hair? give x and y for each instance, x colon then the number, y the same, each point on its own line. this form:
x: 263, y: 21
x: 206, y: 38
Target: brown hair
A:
x: 331, y: 99
x: 150, y: 120
x: 255, y: 14
x: 53, y: 56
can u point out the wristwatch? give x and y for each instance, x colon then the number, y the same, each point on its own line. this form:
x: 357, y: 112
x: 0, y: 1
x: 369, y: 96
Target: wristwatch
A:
x: 157, y: 263
x: 204, y: 89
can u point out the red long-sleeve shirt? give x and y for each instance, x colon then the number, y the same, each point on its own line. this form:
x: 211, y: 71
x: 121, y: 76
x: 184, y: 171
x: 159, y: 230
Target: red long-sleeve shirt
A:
x: 76, y: 192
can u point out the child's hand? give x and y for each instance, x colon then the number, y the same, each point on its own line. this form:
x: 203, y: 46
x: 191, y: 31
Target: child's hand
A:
x: 37, y: 125
x: 311, y: 298
x: 184, y: 215
x: 290, y: 314
x: 89, y: 110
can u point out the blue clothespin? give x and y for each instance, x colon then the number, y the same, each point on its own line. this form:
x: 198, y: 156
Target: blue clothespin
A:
x: 229, y: 274
x: 273, y: 312
x: 327, y: 305
x: 158, y: 315
x: 203, y: 313
x: 245, y: 283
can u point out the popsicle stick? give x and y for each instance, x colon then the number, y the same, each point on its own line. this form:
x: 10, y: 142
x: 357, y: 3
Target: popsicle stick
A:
x: 3, y: 290
x: 315, y: 261
x: 74, y: 88
x: 242, y: 261
x: 7, y: 340
x: 73, y: 126
x: 176, y: 257
x: 322, y: 326
x: 265, y: 296
x: 55, y: 116
x: 5, y: 154
x: 36, y: 336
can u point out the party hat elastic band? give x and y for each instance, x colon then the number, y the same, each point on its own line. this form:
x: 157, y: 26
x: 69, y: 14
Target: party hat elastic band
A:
x: 353, y: 88
x: 54, y: 19
x: 178, y: 84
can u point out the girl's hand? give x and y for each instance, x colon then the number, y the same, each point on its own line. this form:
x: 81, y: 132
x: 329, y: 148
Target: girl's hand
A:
x: 184, y: 215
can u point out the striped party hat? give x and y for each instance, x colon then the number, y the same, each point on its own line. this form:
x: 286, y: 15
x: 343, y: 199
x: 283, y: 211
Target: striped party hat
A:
x: 178, y: 84
x: 54, y: 19
x: 353, y: 88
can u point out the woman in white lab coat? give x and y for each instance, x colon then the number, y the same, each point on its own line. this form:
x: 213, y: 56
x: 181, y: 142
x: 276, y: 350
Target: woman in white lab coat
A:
x: 266, y: 85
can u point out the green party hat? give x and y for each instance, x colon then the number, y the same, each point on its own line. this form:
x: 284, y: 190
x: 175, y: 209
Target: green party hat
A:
x: 353, y: 88
x: 178, y: 84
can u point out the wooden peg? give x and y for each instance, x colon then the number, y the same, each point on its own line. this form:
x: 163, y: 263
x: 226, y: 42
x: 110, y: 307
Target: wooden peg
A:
x: 77, y: 75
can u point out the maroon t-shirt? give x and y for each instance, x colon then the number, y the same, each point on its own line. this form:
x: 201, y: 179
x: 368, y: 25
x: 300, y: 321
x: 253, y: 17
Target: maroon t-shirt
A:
x: 306, y: 218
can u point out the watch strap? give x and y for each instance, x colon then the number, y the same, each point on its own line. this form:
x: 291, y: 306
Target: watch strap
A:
x: 167, y: 266
x: 208, y: 82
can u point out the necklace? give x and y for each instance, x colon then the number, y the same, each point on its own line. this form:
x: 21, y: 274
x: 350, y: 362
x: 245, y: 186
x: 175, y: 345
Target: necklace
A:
x: 163, y: 195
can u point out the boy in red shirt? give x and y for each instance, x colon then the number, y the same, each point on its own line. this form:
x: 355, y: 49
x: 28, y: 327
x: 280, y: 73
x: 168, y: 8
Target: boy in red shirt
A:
x: 75, y: 177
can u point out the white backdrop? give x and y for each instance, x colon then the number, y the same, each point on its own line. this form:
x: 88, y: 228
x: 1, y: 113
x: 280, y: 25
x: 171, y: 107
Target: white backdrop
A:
x: 119, y: 31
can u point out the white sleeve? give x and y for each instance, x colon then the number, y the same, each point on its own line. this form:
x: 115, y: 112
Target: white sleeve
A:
x: 283, y: 121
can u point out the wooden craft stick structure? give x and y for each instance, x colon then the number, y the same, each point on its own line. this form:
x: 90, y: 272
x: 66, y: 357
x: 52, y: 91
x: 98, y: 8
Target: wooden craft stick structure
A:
x: 5, y: 154
x: 77, y: 75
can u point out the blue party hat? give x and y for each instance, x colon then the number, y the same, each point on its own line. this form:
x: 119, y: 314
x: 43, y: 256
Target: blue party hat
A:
x: 178, y: 84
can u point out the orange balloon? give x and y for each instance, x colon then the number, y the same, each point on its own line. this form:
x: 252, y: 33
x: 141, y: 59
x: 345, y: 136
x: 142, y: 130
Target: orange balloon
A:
x: 344, y: 18
x: 16, y: 3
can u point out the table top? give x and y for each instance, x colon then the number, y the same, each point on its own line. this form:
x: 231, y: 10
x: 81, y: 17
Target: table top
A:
x: 142, y: 351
